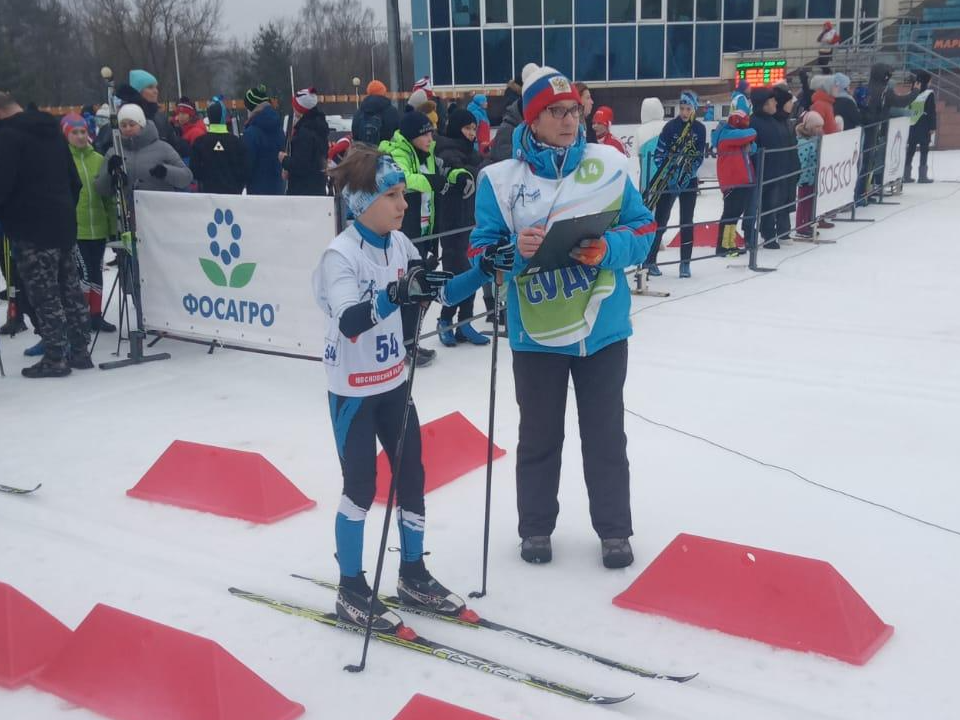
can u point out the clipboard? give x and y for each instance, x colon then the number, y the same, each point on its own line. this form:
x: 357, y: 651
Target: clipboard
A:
x: 563, y: 236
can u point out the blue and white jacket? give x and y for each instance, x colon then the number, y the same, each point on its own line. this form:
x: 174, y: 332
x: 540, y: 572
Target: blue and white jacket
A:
x: 577, y: 310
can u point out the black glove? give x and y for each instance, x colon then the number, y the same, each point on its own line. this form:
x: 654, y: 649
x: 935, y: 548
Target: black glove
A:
x: 437, y: 182
x: 159, y: 171
x: 115, y: 164
x: 499, y: 257
x: 418, y: 285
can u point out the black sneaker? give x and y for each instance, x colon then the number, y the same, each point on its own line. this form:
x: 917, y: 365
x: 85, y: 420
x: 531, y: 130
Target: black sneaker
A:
x: 353, y: 604
x: 416, y: 586
x: 536, y: 549
x: 47, y: 367
x: 616, y: 552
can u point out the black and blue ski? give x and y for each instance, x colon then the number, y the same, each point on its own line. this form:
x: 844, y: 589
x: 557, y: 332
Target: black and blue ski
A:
x: 469, y: 618
x: 412, y: 641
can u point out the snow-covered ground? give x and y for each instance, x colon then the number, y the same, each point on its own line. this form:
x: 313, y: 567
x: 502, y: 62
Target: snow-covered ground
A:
x: 843, y: 367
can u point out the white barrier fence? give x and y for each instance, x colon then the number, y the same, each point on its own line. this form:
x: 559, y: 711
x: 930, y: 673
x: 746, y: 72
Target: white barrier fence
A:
x: 839, y: 170
x: 895, y: 162
x: 237, y: 269
x: 234, y: 268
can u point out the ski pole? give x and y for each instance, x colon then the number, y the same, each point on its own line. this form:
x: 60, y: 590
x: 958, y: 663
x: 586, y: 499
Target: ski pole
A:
x: 498, y: 282
x: 397, y: 459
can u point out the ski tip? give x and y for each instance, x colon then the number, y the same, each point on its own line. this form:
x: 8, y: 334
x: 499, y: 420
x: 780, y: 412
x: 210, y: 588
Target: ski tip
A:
x: 603, y: 700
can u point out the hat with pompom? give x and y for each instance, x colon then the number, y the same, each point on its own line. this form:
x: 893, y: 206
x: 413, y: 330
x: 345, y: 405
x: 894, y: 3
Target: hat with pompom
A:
x: 543, y: 86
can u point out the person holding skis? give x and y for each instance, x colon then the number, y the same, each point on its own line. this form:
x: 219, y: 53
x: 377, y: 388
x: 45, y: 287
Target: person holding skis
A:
x: 151, y: 164
x: 572, y: 321
x: 364, y: 277
x: 679, y: 155
x: 602, y: 120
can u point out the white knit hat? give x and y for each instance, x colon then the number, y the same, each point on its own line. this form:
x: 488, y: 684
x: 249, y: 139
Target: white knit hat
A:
x: 132, y: 112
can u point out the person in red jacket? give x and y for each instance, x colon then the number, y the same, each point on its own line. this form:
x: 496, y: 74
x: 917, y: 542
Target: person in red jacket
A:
x: 735, y: 143
x: 190, y: 124
x: 823, y: 99
x: 602, y: 120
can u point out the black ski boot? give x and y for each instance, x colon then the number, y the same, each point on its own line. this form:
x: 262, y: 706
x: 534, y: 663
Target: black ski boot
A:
x: 416, y: 586
x: 924, y: 178
x: 616, y: 552
x: 536, y: 549
x: 49, y: 366
x: 353, y: 604
x: 908, y: 174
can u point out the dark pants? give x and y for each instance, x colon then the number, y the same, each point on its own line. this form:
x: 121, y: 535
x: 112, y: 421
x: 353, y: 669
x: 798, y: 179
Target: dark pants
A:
x: 89, y: 256
x: 455, y: 260
x: 51, y: 280
x: 21, y: 304
x: 774, y: 219
x: 688, y: 201
x: 541, y: 380
x: 735, y: 202
x: 916, y: 140
x: 358, y: 422
x: 408, y: 313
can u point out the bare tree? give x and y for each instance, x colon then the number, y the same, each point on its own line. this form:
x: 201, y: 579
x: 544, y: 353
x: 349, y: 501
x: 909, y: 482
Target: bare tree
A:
x: 129, y: 34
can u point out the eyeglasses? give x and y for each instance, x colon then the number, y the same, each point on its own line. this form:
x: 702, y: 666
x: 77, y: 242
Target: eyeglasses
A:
x: 559, y: 113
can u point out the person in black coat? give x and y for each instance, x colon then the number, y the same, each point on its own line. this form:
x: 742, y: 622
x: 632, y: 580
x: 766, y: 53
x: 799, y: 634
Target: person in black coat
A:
x: 791, y: 163
x: 455, y: 209
x: 771, y: 140
x: 39, y: 190
x: 923, y: 121
x: 305, y: 165
x: 377, y: 119
x: 218, y: 159
x: 844, y: 106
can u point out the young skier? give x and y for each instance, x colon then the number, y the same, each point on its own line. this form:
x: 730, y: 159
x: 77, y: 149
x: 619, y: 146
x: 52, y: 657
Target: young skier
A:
x: 363, y: 278
x: 735, y: 143
x: 680, y: 150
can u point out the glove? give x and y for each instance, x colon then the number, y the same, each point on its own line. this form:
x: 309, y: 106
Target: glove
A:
x: 590, y: 252
x: 418, y: 285
x: 498, y: 258
x: 159, y: 171
x: 115, y: 164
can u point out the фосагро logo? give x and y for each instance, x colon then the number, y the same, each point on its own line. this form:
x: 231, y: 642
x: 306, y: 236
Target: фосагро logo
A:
x: 225, y: 237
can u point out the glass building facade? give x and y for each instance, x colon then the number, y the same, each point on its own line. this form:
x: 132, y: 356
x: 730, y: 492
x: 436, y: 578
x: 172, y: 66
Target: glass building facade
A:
x: 486, y: 42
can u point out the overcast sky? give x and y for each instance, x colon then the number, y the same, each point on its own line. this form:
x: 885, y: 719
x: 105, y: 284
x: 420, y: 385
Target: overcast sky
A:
x: 243, y: 17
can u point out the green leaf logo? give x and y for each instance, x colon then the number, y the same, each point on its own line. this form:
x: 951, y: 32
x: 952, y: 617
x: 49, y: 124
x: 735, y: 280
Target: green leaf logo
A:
x: 214, y: 273
x: 241, y: 275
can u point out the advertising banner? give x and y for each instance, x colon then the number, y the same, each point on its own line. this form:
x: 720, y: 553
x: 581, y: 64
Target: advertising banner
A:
x: 234, y: 268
